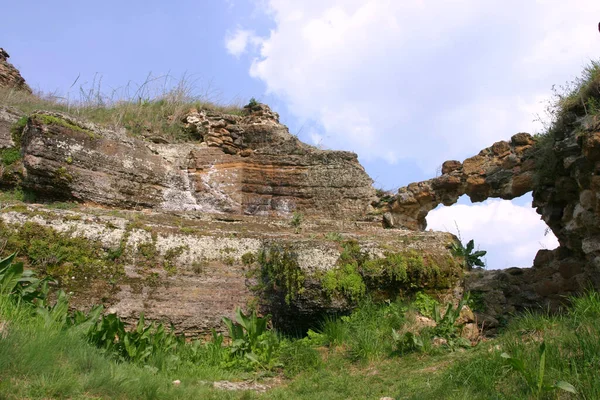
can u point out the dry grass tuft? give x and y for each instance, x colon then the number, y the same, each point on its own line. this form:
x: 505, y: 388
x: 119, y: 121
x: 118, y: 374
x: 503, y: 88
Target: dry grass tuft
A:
x: 154, y: 108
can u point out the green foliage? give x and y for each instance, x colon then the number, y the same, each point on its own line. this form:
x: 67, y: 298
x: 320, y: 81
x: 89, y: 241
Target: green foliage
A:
x: 570, y: 103
x: 447, y: 327
x: 248, y: 258
x: 334, y: 236
x: 344, y: 280
x: 535, y: 381
x: 279, y: 271
x: 252, y: 104
x: 546, y: 160
x: 425, y: 304
x: 366, y: 333
x: 251, y: 341
x: 20, y: 284
x: 136, y: 345
x: 357, y: 274
x: 334, y: 332
x: 53, y: 120
x: 407, y: 342
x: 34, y: 344
x: 296, y: 221
x: 10, y: 156
x: 298, y: 356
x: 471, y: 258
x: 16, y: 131
x: 69, y: 259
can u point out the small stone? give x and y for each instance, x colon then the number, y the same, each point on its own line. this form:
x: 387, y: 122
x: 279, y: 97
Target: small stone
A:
x: 521, y: 139
x: 450, y: 166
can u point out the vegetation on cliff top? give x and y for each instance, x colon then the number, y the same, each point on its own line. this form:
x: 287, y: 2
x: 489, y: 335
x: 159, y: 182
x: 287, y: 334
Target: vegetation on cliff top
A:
x: 571, y: 102
x: 155, y: 107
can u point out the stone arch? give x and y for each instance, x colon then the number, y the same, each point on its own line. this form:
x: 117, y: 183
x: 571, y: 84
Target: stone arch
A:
x: 504, y: 170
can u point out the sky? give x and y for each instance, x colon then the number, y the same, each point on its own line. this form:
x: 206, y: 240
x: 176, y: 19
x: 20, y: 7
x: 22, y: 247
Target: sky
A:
x: 404, y: 84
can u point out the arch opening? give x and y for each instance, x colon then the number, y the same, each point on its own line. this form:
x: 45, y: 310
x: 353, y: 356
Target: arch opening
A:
x: 509, y: 230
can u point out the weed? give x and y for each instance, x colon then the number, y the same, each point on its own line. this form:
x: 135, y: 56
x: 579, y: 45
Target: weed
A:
x: 156, y: 105
x: 248, y: 258
x: 251, y: 341
x: 279, y: 271
x: 425, y: 304
x: 471, y: 258
x: 296, y: 221
x: 10, y: 156
x: 334, y: 236
x: 535, y: 381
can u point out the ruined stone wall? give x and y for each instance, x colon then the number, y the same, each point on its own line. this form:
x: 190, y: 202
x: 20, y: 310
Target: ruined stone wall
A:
x: 564, y: 174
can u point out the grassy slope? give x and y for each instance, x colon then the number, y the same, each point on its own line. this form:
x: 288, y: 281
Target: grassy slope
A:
x: 38, y: 360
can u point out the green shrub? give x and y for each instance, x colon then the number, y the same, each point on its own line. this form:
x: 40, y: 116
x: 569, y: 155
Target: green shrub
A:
x: 251, y: 341
x: 279, y: 271
x: 425, y: 304
x: 471, y: 258
x: 10, y: 156
x: 20, y: 284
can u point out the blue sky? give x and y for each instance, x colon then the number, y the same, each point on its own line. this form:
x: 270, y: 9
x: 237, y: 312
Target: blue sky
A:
x: 405, y: 84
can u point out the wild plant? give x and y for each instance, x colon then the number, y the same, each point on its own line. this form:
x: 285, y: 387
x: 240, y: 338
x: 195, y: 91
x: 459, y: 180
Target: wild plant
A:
x: 471, y: 258
x: 251, y: 340
x: 20, y: 284
x: 535, y: 379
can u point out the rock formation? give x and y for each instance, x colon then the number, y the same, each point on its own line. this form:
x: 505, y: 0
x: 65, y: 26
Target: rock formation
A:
x: 504, y: 170
x: 242, y: 165
x: 209, y: 212
x: 9, y: 75
x: 562, y: 170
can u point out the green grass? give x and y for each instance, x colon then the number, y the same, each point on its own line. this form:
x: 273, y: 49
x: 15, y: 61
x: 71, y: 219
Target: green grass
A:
x: 353, y: 357
x: 155, y: 107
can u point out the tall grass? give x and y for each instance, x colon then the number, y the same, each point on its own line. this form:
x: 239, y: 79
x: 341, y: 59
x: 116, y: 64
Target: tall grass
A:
x: 41, y: 360
x: 154, y: 108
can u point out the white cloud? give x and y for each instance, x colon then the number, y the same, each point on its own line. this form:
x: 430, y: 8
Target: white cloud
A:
x: 389, y: 79
x: 237, y: 43
x: 426, y: 81
x: 511, y: 234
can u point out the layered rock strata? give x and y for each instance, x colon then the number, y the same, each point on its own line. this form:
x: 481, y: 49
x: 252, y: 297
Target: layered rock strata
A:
x: 192, y: 269
x: 246, y: 164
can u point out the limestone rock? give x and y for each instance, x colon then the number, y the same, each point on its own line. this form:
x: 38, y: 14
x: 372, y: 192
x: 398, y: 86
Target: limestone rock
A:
x: 270, y: 173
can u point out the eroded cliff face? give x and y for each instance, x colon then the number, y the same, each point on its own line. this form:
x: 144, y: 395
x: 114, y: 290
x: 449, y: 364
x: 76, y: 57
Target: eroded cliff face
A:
x: 264, y: 171
x: 243, y: 214
x: 193, y: 268
x: 267, y: 172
